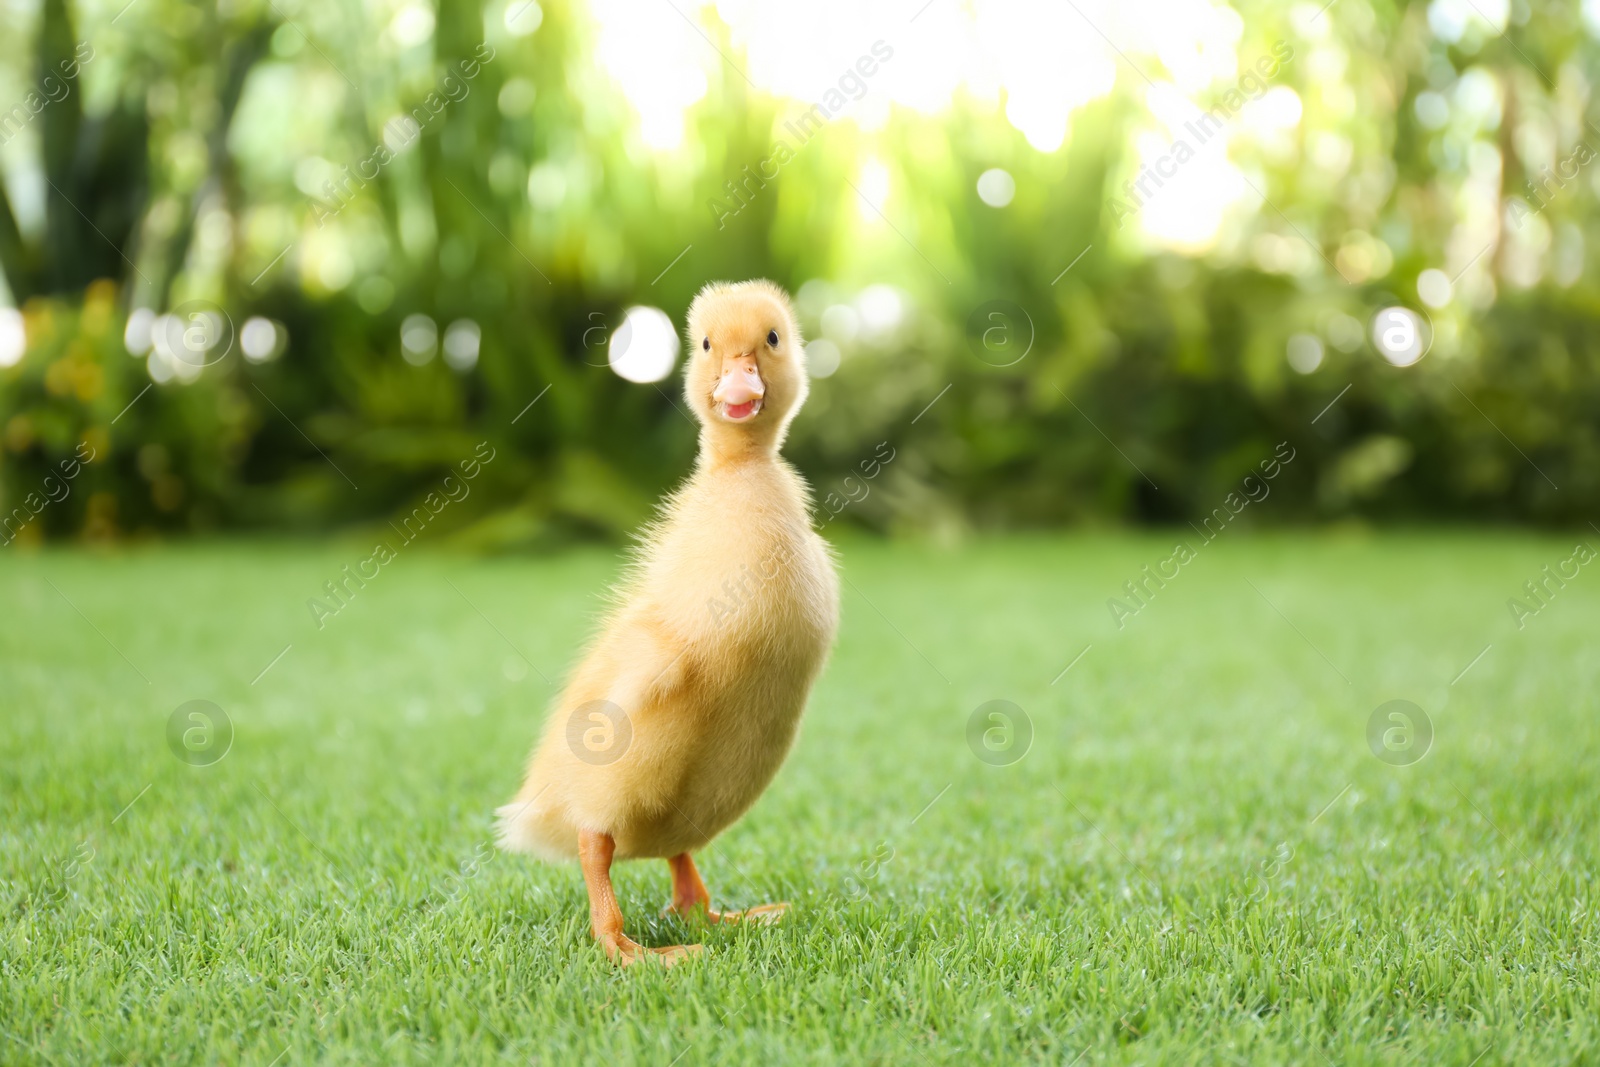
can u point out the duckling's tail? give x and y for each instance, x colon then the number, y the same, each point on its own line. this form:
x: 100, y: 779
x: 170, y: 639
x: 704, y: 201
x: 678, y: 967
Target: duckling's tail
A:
x: 525, y: 826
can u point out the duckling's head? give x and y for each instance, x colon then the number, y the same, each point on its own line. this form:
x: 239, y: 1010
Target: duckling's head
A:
x: 746, y: 376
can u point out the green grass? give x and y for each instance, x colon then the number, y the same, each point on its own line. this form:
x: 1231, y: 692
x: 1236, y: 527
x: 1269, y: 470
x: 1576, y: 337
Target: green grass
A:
x: 1198, y: 860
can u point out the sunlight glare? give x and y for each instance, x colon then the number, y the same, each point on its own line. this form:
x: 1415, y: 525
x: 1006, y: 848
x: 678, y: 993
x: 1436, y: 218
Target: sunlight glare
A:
x: 1037, y: 60
x: 874, y: 186
x: 657, y: 62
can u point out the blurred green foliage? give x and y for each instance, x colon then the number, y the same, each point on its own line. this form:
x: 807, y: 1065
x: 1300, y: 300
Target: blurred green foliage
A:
x: 176, y: 169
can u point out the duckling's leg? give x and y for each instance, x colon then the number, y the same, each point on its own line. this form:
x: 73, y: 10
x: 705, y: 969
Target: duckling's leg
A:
x: 689, y: 895
x: 605, y: 918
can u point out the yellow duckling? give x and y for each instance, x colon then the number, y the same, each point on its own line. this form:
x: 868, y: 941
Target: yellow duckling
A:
x: 687, y: 701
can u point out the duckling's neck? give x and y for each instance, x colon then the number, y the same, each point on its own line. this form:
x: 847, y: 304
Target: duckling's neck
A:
x: 728, y: 446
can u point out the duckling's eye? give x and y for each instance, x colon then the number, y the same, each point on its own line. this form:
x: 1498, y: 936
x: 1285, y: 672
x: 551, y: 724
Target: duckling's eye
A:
x: 772, y: 338
x: 706, y: 344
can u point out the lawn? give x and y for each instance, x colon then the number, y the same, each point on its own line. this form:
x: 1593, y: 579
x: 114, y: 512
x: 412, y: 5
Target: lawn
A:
x: 1197, y: 859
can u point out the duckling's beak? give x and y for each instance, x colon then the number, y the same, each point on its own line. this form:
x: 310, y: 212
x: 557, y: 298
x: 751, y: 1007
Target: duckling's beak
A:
x: 739, y: 393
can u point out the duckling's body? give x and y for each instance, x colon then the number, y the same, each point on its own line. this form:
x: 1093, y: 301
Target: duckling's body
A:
x: 687, y: 702
x: 710, y: 655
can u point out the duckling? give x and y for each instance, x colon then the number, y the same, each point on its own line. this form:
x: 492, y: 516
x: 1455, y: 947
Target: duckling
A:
x: 687, y: 701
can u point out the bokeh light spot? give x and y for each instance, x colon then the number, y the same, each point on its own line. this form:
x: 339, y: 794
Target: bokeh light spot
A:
x: 13, y: 337
x: 419, y: 339
x: 258, y: 339
x: 822, y: 358
x: 1304, y: 352
x: 523, y: 17
x: 996, y: 187
x: 1433, y: 286
x: 461, y: 341
x: 645, y: 347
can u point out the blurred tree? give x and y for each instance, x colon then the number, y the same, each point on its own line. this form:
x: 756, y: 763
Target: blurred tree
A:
x: 428, y: 223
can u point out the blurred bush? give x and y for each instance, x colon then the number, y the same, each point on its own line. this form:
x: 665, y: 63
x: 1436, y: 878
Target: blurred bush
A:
x: 410, y: 244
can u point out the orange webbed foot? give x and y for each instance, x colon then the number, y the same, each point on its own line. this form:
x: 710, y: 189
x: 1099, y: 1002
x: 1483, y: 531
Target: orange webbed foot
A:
x: 690, y: 899
x: 625, y: 952
x: 760, y: 915
x: 595, y: 852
